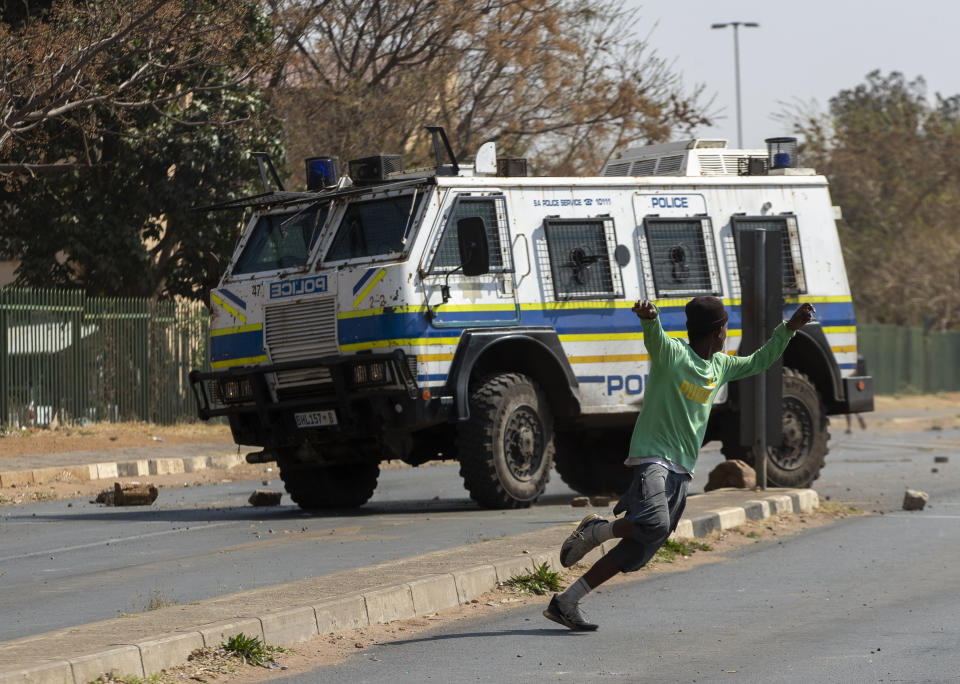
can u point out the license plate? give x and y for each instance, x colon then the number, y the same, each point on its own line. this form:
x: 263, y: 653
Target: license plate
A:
x: 312, y: 419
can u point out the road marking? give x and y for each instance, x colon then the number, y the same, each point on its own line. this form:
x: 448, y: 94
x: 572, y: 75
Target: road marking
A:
x: 114, y: 540
x: 925, y: 517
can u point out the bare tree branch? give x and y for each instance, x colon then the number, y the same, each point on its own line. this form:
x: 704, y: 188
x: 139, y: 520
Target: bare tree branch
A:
x: 114, y: 54
x: 540, y: 77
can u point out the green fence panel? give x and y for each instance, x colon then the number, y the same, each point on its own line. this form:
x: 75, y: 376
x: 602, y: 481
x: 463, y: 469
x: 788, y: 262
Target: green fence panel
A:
x: 65, y: 357
x: 944, y: 361
x: 909, y: 359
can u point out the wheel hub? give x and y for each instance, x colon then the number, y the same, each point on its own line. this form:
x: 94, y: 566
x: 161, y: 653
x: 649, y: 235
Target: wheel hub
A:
x: 797, y: 436
x: 523, y: 443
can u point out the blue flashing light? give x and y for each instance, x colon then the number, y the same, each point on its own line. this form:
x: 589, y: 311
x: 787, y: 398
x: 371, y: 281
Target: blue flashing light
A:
x: 781, y: 160
x: 322, y: 172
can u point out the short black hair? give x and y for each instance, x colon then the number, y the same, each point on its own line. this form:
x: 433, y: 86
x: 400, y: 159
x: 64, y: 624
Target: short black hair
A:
x: 705, y: 314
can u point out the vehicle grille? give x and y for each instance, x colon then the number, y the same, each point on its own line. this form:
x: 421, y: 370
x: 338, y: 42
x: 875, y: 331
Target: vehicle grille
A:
x: 303, y: 330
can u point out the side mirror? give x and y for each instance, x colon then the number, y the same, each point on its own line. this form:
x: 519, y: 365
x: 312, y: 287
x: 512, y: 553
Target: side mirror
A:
x: 474, y: 250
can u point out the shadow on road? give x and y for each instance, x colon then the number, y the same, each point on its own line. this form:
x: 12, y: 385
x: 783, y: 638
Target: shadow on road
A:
x: 533, y: 632
x: 280, y: 513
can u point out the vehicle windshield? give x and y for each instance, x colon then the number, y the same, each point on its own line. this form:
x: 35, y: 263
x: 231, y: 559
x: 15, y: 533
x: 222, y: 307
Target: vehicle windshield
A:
x: 282, y: 240
x: 373, y: 227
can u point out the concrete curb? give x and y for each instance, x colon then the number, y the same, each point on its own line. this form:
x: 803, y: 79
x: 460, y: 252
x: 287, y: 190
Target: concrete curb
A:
x: 110, y: 470
x: 421, y: 596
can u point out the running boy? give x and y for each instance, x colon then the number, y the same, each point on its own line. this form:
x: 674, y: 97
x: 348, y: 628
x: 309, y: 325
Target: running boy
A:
x: 684, y: 379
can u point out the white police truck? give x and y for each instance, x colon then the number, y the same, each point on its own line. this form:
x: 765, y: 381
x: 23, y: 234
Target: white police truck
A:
x: 481, y: 315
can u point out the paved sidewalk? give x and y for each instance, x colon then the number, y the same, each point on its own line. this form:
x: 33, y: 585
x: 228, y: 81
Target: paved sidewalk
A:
x: 298, y: 611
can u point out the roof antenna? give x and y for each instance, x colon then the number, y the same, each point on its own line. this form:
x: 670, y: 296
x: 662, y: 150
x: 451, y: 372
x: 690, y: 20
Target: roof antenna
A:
x: 438, y: 135
x: 264, y: 164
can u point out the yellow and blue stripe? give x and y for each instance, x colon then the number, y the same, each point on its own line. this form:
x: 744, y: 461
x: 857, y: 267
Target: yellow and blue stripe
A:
x: 581, y: 321
x: 240, y: 345
x: 366, y: 284
x: 233, y: 306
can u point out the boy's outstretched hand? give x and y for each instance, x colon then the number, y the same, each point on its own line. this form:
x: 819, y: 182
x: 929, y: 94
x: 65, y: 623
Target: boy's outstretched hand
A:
x: 802, y: 316
x: 645, y: 309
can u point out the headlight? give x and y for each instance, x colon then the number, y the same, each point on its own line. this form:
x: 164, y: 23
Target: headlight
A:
x: 370, y: 373
x: 235, y: 390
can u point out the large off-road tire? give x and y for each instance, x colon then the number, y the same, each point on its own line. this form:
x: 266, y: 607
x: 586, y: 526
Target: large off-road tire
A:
x: 317, y: 487
x: 591, y: 461
x: 506, y: 447
x: 798, y: 461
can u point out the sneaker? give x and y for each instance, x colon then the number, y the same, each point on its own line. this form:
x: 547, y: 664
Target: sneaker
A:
x: 568, y: 617
x: 580, y: 541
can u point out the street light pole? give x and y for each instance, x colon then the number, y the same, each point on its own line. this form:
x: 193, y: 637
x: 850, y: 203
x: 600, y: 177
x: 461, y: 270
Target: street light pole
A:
x: 736, y: 65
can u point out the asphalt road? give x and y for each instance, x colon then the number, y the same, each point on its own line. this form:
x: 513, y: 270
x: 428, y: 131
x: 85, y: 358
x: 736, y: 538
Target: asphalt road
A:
x: 865, y: 600
x: 872, y: 599
x: 62, y: 565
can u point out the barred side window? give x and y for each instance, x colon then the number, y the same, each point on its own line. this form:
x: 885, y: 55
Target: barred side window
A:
x: 493, y: 210
x: 581, y: 258
x: 682, y: 257
x: 794, y: 281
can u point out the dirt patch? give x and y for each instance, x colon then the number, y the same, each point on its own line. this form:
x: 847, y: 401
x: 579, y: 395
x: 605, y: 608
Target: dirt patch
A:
x: 105, y: 436
x: 896, y: 402
x: 904, y: 413
x: 330, y: 649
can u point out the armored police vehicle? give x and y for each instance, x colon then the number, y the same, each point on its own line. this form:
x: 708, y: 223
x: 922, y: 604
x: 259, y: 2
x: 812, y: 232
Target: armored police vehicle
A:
x: 481, y: 315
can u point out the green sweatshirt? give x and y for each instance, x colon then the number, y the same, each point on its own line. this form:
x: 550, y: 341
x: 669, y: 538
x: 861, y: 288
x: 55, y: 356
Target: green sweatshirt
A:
x: 680, y: 392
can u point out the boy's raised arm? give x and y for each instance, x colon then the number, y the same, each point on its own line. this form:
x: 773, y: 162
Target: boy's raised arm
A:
x: 654, y: 338
x: 744, y: 366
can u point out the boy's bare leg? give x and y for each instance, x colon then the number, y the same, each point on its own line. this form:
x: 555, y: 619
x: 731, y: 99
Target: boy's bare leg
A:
x: 602, y: 570
x: 607, y: 567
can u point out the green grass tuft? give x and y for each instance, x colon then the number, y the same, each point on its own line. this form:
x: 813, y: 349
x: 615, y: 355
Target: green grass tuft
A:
x: 540, y: 581
x: 250, y: 649
x: 671, y: 549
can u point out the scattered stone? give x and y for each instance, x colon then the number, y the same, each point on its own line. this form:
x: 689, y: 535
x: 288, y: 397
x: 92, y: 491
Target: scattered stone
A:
x: 580, y: 501
x: 601, y: 500
x: 129, y: 494
x: 915, y: 500
x: 934, y: 470
x: 265, y: 497
x: 941, y: 459
x: 733, y: 473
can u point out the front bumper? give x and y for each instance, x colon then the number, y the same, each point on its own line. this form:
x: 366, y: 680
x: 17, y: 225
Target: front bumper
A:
x: 266, y: 414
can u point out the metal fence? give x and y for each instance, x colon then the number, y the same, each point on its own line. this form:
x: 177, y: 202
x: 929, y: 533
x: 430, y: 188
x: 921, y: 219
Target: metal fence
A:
x: 904, y: 359
x: 66, y: 357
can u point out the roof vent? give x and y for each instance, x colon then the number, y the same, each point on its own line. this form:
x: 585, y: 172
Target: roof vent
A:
x: 375, y: 169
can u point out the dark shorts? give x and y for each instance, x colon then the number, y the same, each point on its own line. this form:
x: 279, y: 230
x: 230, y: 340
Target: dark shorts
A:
x: 654, y: 504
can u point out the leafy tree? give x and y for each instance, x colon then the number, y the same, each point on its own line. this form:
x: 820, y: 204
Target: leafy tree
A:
x: 563, y: 82
x: 893, y: 159
x: 120, y: 222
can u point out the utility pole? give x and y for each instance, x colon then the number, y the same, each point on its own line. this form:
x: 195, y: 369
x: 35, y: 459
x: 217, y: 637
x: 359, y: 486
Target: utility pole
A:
x: 736, y: 66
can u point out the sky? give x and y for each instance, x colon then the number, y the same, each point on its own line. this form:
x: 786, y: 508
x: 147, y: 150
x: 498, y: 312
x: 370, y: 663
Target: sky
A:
x: 803, y: 51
